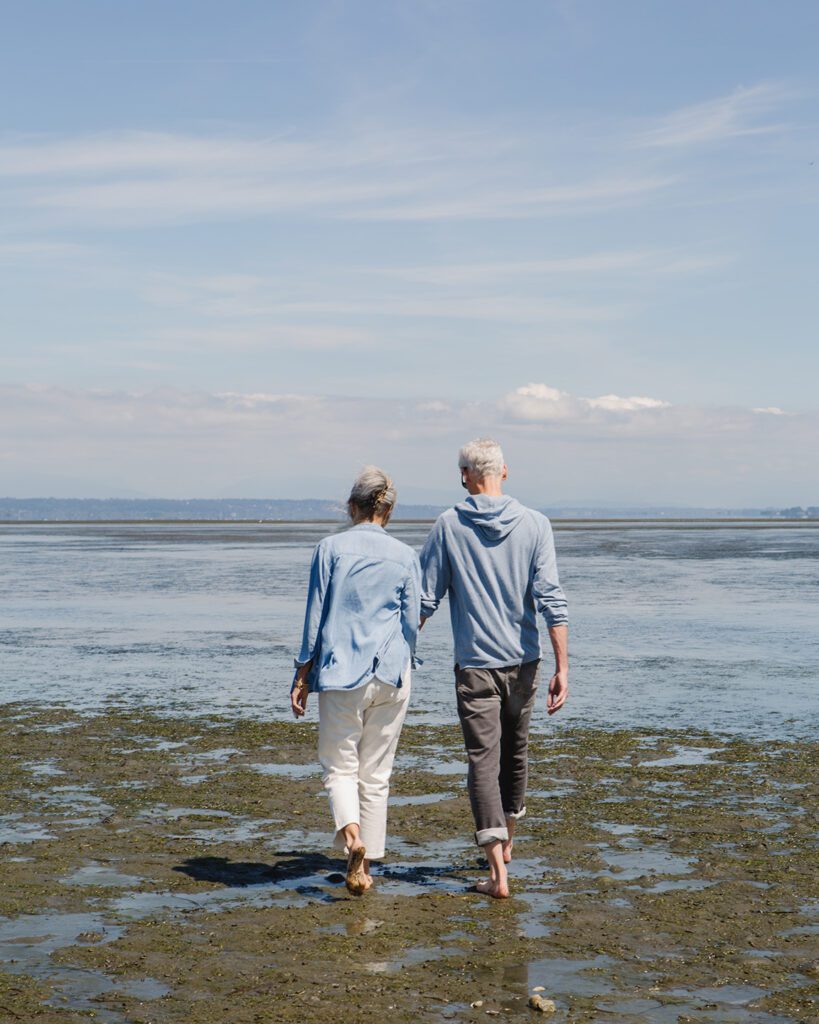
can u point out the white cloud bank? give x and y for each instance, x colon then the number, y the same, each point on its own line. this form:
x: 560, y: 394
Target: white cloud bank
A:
x: 560, y: 447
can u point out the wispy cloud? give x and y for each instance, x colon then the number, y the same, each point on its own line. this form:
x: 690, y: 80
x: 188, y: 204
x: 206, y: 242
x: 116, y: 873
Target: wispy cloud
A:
x: 175, y: 442
x: 142, y: 178
x: 745, y: 111
x: 645, y: 261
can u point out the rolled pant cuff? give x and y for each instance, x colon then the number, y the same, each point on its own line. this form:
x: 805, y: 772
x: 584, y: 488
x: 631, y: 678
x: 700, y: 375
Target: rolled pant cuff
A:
x: 491, y: 835
x: 516, y: 814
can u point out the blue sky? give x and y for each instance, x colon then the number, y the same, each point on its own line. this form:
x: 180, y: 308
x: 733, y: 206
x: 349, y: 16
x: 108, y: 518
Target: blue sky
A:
x: 247, y: 247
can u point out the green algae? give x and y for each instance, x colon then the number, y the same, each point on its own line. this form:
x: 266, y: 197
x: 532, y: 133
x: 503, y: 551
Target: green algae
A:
x: 739, y: 825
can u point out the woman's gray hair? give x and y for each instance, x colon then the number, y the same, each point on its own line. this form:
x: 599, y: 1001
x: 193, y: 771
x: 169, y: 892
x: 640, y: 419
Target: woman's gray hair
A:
x: 482, y: 457
x: 373, y: 492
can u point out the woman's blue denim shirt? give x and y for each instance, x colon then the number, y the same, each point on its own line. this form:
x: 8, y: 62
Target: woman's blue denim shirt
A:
x: 363, y: 609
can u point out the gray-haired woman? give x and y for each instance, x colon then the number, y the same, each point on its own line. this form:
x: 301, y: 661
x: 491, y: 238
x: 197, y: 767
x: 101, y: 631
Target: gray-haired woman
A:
x: 360, y: 627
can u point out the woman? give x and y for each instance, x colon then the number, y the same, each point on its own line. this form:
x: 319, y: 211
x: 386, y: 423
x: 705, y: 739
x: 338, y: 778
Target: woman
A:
x: 360, y: 628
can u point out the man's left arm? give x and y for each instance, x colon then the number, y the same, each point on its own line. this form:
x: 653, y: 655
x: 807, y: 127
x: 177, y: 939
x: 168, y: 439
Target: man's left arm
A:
x: 550, y: 602
x: 435, y: 575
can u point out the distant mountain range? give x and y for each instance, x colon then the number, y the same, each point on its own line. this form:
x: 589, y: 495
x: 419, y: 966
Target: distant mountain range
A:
x: 254, y: 509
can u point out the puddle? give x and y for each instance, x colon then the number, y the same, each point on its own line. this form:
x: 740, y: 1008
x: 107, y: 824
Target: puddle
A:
x: 678, y: 885
x: 617, y: 829
x: 680, y: 757
x: 567, y: 977
x: 427, y: 763
x: 419, y: 798
x: 166, y: 813
x: 43, y: 769
x: 99, y: 874
x: 26, y: 945
x: 242, y: 832
x: 644, y: 860
x: 288, y: 771
x: 725, y: 995
x: 13, y: 830
x: 77, y: 800
x: 135, y: 906
x: 540, y: 904
x: 413, y: 957
x: 209, y: 756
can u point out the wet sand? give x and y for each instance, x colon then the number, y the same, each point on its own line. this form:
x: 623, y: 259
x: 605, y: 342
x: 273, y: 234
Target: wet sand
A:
x: 179, y: 872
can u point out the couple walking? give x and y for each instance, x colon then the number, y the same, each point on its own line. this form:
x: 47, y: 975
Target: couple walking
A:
x: 369, y: 596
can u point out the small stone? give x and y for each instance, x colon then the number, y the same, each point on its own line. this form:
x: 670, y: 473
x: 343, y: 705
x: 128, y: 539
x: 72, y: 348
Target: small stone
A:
x: 541, y: 1004
x: 538, y: 988
x: 477, y: 1004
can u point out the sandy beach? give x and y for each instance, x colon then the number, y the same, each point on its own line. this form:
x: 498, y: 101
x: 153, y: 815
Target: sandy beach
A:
x: 178, y: 871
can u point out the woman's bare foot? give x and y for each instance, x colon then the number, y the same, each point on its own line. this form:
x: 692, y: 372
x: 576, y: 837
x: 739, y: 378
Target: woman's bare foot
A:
x: 358, y: 882
x: 494, y: 887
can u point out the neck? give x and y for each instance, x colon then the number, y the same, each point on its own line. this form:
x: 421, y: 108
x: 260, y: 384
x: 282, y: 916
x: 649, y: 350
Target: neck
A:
x: 375, y: 521
x: 490, y: 485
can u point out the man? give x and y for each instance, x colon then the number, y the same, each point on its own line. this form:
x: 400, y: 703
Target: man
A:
x: 496, y: 560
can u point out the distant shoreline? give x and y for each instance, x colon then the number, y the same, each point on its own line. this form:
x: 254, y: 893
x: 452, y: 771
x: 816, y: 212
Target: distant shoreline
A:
x: 649, y: 522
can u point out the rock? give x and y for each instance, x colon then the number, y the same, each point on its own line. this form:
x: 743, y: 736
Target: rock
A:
x: 542, y: 1005
x: 477, y: 1004
x: 538, y: 988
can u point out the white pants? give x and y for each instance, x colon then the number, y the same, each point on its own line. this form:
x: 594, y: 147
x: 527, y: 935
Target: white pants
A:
x: 358, y: 734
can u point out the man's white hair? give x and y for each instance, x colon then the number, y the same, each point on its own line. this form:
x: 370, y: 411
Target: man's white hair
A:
x: 482, y: 457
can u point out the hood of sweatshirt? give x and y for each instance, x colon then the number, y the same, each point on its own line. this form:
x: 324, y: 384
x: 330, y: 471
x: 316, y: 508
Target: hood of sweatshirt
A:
x: 494, y: 517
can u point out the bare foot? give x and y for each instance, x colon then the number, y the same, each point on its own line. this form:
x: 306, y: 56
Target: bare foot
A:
x: 510, y: 842
x: 494, y: 887
x: 357, y: 879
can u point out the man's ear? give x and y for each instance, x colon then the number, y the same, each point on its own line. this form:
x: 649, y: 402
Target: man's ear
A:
x: 505, y: 473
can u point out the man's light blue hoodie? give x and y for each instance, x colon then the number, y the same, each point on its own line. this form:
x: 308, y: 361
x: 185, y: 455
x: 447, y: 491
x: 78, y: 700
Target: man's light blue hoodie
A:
x: 496, y: 560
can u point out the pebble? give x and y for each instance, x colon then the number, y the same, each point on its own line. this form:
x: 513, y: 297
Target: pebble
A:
x: 544, y: 1005
x: 477, y: 1004
x: 538, y: 988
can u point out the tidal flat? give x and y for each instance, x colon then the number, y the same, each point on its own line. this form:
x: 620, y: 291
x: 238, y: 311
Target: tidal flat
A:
x: 179, y: 871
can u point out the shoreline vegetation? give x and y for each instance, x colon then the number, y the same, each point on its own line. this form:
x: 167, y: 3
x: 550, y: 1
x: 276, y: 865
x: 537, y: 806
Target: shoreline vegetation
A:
x: 167, y: 870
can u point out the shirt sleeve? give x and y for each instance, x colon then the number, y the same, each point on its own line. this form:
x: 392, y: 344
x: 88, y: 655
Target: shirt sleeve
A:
x: 435, y: 570
x: 320, y: 570
x: 550, y: 600
x: 411, y: 603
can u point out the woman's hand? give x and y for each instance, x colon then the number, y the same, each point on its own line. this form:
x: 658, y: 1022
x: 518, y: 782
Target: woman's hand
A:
x: 298, y: 694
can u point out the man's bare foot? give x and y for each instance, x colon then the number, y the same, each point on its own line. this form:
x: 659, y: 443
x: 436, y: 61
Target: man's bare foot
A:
x: 510, y: 842
x: 494, y: 887
x: 358, y: 882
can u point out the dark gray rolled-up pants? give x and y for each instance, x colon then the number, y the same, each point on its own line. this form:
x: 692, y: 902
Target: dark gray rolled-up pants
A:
x: 495, y: 706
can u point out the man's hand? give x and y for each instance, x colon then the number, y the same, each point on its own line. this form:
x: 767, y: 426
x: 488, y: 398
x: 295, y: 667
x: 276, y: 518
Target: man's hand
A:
x: 558, y: 691
x: 299, y: 692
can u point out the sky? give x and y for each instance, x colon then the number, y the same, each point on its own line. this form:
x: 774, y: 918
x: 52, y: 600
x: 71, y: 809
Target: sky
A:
x: 247, y: 248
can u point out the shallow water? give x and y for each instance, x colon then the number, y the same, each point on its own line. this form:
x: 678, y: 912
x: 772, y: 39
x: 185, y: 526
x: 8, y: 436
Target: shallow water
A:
x: 711, y: 626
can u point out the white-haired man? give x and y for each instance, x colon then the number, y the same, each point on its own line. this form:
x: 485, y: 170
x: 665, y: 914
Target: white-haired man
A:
x: 495, y: 559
